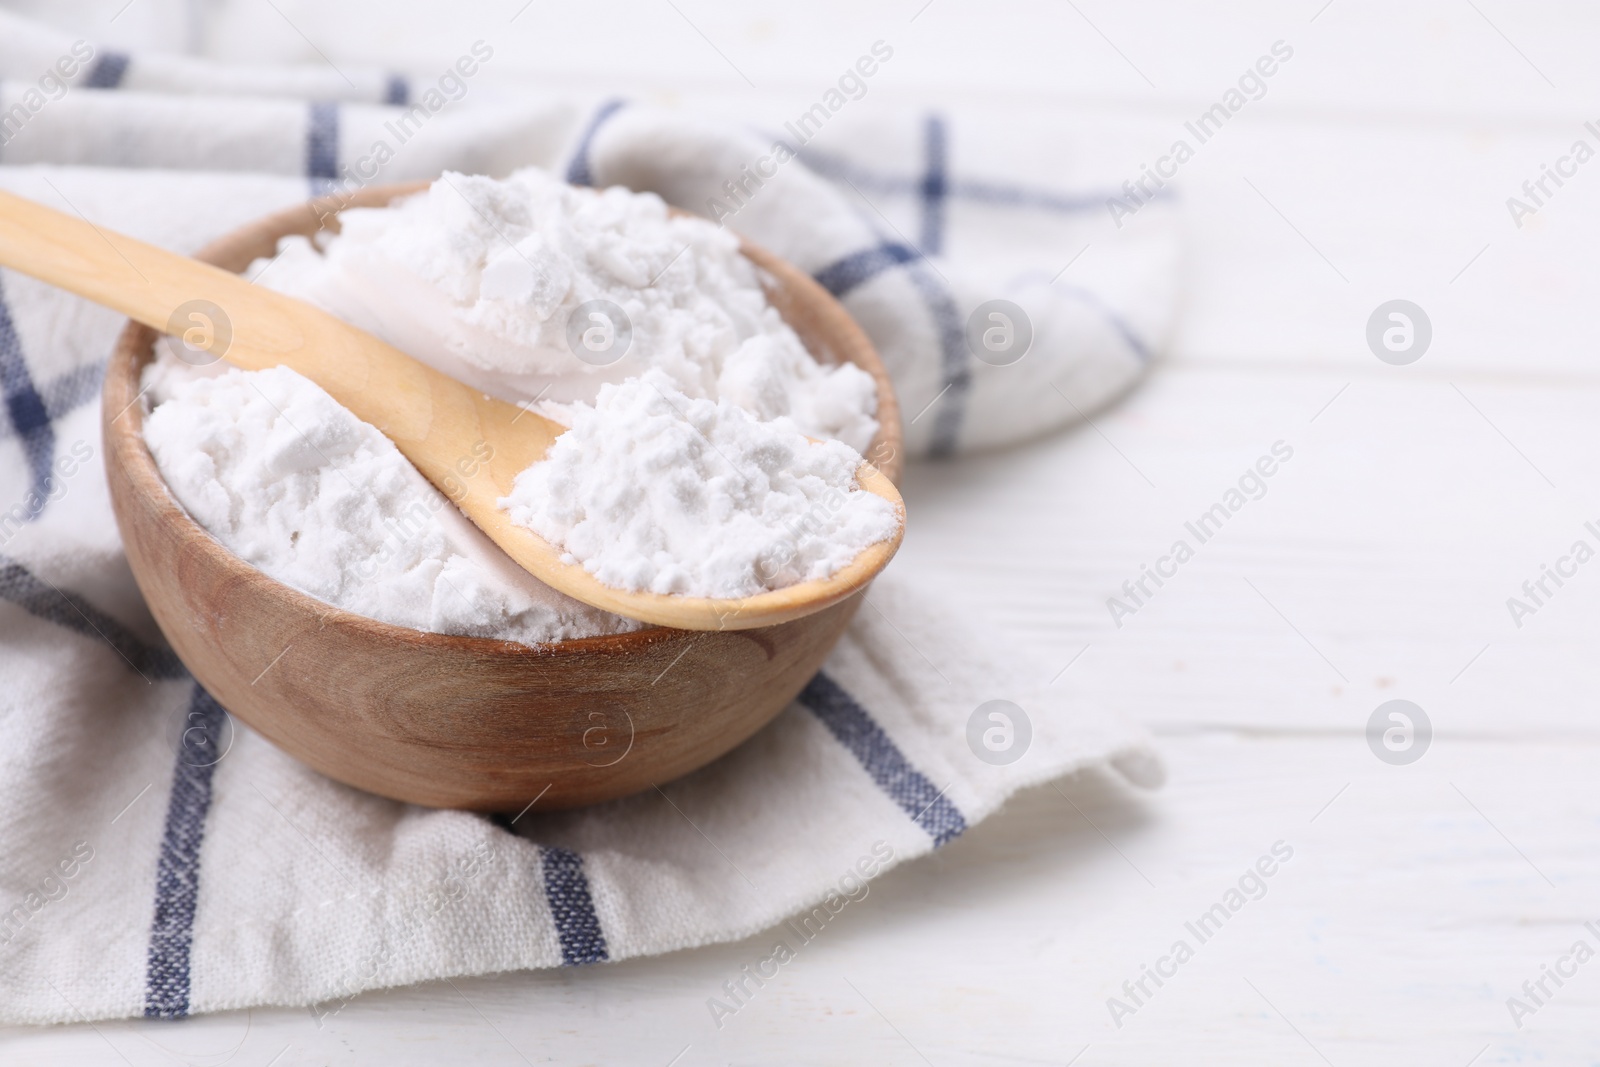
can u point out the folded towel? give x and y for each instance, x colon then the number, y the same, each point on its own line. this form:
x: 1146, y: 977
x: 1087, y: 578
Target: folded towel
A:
x: 161, y: 859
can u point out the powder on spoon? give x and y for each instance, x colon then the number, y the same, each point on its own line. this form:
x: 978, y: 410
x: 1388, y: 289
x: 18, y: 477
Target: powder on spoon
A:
x: 495, y: 282
x: 651, y: 490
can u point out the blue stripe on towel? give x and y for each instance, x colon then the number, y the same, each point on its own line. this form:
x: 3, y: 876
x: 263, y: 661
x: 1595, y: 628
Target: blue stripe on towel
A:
x: 397, y: 91
x: 62, y: 395
x: 53, y: 604
x: 567, y: 889
x: 166, y: 993
x: 107, y: 72
x: 908, y: 787
x: 956, y: 372
x: 1118, y: 325
x: 26, y: 408
x: 858, y: 268
x: 70, y: 390
x: 844, y: 275
x: 1133, y: 340
x: 998, y: 194
x: 322, y: 145
x: 579, y: 170
x: 935, y: 186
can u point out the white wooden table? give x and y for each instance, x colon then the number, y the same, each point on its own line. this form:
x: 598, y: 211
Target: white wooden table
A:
x: 1377, y: 566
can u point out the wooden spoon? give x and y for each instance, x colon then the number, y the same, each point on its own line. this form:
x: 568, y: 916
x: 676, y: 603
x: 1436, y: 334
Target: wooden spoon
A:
x: 469, y: 445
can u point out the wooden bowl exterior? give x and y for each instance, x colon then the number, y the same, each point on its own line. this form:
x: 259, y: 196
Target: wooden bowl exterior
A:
x: 459, y: 722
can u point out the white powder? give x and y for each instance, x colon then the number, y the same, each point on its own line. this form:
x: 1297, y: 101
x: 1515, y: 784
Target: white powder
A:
x: 481, y: 279
x: 686, y: 470
x: 296, y: 485
x: 653, y: 490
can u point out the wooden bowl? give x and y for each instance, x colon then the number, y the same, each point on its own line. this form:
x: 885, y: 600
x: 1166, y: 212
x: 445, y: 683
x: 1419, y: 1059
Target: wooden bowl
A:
x: 460, y: 722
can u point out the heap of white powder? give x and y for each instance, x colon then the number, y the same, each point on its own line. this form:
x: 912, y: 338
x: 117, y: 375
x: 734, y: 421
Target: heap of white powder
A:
x: 652, y: 490
x: 482, y: 279
x: 687, y: 468
x: 297, y: 486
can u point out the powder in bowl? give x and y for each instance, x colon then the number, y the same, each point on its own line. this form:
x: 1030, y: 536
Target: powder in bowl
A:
x: 294, y: 484
x: 486, y: 280
x: 687, y: 468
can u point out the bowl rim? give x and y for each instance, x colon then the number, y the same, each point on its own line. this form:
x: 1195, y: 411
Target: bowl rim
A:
x: 123, y: 430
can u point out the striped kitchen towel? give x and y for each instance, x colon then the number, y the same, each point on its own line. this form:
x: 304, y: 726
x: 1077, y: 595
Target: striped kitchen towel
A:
x: 977, y: 250
x: 158, y: 858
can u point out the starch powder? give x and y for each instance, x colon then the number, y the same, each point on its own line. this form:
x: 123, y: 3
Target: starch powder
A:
x: 655, y: 491
x: 687, y: 468
x: 483, y: 278
x: 294, y: 484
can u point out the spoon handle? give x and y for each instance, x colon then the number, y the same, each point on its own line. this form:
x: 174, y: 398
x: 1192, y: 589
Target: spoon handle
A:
x: 219, y: 315
x: 436, y: 422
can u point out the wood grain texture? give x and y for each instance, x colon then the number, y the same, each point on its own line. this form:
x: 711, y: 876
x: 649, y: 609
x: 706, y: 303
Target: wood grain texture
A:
x: 471, y: 446
x: 454, y: 721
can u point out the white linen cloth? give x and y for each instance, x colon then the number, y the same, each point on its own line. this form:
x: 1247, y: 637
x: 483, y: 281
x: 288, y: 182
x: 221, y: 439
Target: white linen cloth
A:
x: 160, y: 859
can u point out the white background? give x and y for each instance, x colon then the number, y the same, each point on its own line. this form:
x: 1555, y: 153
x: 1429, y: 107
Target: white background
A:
x: 1377, y: 566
